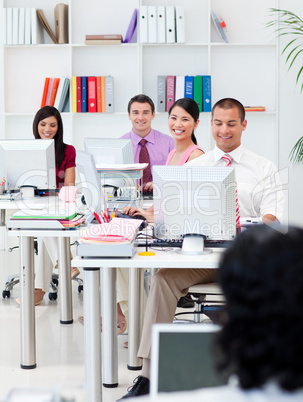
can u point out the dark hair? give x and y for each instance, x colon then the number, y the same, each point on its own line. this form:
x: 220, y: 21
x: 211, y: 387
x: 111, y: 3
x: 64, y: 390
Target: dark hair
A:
x: 42, y: 114
x: 230, y: 103
x: 261, y: 277
x: 191, y: 107
x: 141, y: 98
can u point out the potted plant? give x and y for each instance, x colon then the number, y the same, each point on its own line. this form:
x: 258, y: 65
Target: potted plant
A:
x: 291, y: 26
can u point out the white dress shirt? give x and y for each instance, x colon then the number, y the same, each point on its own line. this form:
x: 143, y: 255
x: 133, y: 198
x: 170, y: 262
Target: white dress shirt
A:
x: 258, y: 182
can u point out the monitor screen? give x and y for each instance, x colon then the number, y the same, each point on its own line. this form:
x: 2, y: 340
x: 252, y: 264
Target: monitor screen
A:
x: 28, y: 163
x: 90, y: 186
x: 110, y: 151
x: 194, y: 200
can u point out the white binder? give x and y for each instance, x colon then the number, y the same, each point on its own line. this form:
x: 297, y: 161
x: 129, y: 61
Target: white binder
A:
x: 161, y: 24
x: 180, y: 30
x: 143, y: 26
x: 109, y: 93
x: 161, y: 99
x: 27, y: 28
x: 9, y: 26
x: 21, y: 26
x: 36, y: 28
x: 15, y: 25
x: 152, y: 24
x: 180, y: 87
x: 170, y: 24
x: 3, y: 27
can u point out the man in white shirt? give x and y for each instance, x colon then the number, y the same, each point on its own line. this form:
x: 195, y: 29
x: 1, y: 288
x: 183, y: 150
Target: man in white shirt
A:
x: 260, y: 195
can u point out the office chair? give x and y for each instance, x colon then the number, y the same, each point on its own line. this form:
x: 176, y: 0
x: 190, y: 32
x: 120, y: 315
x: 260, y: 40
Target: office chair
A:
x: 208, y: 299
x: 13, y: 280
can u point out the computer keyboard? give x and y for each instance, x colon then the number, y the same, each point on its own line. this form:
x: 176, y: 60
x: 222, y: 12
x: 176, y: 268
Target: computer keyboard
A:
x: 178, y: 243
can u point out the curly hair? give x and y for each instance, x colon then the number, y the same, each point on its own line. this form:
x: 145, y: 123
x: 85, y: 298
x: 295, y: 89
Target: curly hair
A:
x: 261, y: 275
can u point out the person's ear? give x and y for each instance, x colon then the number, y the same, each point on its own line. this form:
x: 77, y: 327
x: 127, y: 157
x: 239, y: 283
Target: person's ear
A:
x: 244, y: 124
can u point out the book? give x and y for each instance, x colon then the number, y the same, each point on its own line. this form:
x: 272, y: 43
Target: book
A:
x: 103, y: 41
x: 180, y: 87
x: 3, y: 26
x: 103, y: 95
x: 220, y: 26
x: 92, y: 94
x: 45, y: 90
x: 61, y: 94
x: 84, y: 94
x: 152, y: 24
x: 109, y: 93
x: 74, y: 94
x: 170, y: 91
x: 161, y: 99
x: 27, y: 27
x: 55, y: 86
x: 189, y: 87
x: 198, y: 91
x: 254, y: 108
x: 61, y: 22
x: 21, y: 33
x: 170, y: 24
x: 63, y: 105
x: 161, y: 27
x: 143, y: 26
x: 46, y: 26
x: 180, y: 29
x: 206, y: 93
x: 79, y: 95
x: 9, y: 26
x: 99, y: 98
x: 36, y: 28
x: 104, y: 37
x: 131, y: 30
x: 15, y: 25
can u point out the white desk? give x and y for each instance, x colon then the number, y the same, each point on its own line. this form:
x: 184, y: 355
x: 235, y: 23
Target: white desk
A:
x: 91, y: 266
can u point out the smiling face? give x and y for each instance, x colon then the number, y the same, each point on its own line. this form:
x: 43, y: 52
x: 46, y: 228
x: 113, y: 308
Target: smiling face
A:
x: 141, y: 116
x: 227, y: 128
x: 48, y: 127
x: 181, y: 124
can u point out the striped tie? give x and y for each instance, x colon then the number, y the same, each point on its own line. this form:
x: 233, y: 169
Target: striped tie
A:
x: 228, y: 160
x: 144, y: 158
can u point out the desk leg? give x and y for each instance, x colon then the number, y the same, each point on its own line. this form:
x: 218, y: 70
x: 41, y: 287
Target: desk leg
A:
x: 27, y: 303
x: 109, y: 328
x: 92, y: 334
x: 65, y: 282
x: 2, y: 229
x: 135, y: 303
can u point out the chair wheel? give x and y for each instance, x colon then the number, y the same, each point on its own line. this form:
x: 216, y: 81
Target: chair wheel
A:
x: 6, y: 293
x: 55, y: 281
x: 80, y: 288
x: 52, y: 296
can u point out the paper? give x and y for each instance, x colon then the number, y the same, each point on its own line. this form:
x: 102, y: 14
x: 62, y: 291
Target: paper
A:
x: 132, y: 166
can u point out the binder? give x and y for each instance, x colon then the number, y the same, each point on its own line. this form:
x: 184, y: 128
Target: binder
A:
x: 15, y: 25
x: 84, y: 94
x: 92, y: 94
x: 109, y: 90
x: 49, y: 91
x: 129, y: 36
x: 189, y: 87
x: 98, y: 94
x: 161, y: 99
x: 45, y: 90
x: 55, y: 87
x: 27, y: 28
x: 3, y: 26
x: 59, y: 93
x: 143, y: 24
x: 180, y: 29
x: 103, y: 95
x: 170, y: 24
x: 170, y: 91
x: 79, y: 95
x: 61, y: 22
x: 161, y: 24
x: 9, y: 26
x: 206, y: 93
x: 152, y: 24
x: 74, y: 94
x: 21, y: 33
x: 36, y: 28
x: 198, y: 91
x: 180, y: 87
x: 64, y: 95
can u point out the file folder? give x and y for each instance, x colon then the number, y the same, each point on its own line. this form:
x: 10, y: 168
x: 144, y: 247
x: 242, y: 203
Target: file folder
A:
x: 15, y: 25
x: 109, y: 90
x: 152, y: 24
x: 99, y: 104
x: 21, y: 33
x: 3, y: 26
x: 206, y: 79
x: 27, y: 28
x: 180, y: 29
x: 189, y: 87
x: 170, y: 24
x: 9, y: 26
x: 161, y: 100
x: 103, y: 95
x: 180, y: 87
x: 161, y: 24
x: 74, y: 94
x: 198, y: 91
x: 92, y: 94
x: 143, y: 24
x: 36, y: 28
x: 170, y: 91
x: 83, y: 94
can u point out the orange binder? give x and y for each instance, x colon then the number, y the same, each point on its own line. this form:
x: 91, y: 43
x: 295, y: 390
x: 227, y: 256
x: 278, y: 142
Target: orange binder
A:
x: 103, y: 95
x: 54, y: 91
x: 45, y: 89
x: 99, y: 106
x: 92, y: 94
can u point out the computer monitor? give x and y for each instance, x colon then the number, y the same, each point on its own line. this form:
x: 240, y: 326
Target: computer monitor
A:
x: 110, y: 151
x: 194, y: 203
x: 93, y: 198
x: 28, y: 163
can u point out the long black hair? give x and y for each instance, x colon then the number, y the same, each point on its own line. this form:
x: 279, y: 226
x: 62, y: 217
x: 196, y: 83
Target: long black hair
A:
x: 42, y: 114
x: 191, y: 108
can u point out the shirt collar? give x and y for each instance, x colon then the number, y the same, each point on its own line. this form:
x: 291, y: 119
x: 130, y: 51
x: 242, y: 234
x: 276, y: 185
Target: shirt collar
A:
x: 236, y: 154
x: 149, y: 138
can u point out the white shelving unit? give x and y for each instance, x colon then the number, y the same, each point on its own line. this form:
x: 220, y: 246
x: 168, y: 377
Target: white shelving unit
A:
x: 245, y: 68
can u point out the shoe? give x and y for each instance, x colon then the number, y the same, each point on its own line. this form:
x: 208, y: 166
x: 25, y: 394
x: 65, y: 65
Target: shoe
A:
x: 74, y: 272
x: 39, y: 294
x: 186, y: 302
x: 140, y: 387
x: 121, y: 326
x: 125, y: 345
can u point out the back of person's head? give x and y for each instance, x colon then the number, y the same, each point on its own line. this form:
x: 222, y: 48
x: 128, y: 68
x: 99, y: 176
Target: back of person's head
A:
x: 141, y: 98
x: 230, y: 103
x: 261, y: 275
x: 191, y: 107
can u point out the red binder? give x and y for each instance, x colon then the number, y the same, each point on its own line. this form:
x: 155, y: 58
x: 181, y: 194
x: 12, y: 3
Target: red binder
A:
x: 92, y: 94
x: 79, y: 96
x: 46, y: 84
x: 54, y: 91
x: 170, y: 91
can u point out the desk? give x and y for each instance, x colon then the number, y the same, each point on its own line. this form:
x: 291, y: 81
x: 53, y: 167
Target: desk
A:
x: 92, y: 266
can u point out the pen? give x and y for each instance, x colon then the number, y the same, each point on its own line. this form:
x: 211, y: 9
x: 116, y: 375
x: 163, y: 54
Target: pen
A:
x: 97, y: 217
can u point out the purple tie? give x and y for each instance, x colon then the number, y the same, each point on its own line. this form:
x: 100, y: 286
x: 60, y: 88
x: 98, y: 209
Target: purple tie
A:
x: 144, y: 158
x: 228, y: 159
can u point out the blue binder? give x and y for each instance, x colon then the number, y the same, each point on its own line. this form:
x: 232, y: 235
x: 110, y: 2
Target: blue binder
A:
x: 189, y: 87
x: 84, y: 94
x: 206, y: 80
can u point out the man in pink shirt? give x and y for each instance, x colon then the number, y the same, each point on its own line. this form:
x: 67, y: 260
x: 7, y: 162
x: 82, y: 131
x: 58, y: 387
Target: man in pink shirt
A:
x: 141, y: 111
